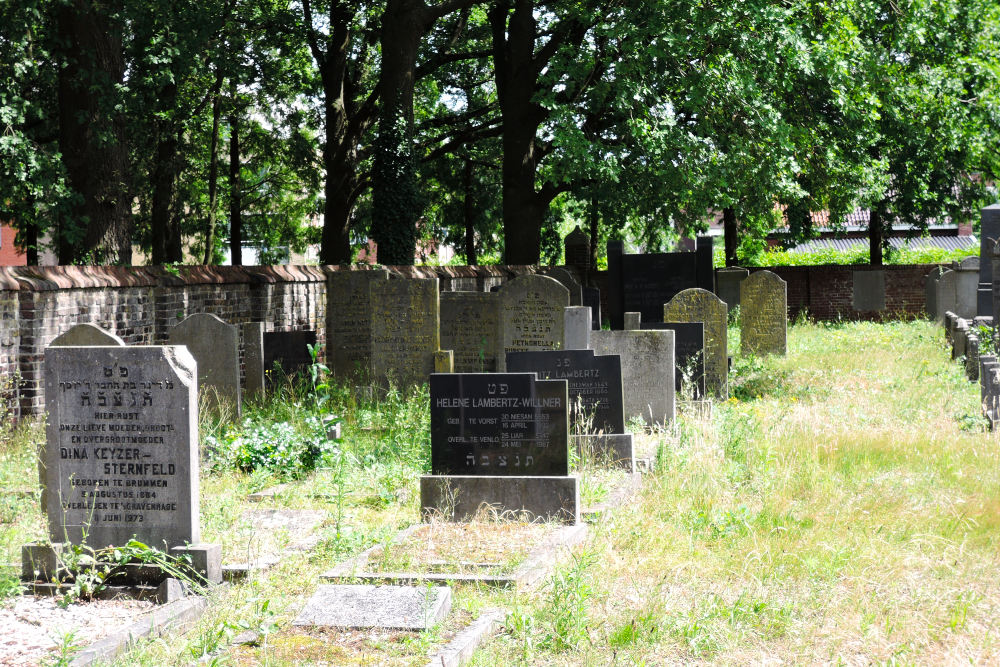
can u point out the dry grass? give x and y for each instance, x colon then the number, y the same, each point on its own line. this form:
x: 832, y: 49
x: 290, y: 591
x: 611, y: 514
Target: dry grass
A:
x: 848, y: 514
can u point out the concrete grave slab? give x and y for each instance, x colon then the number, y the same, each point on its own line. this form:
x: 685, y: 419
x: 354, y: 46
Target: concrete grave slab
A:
x: 360, y: 606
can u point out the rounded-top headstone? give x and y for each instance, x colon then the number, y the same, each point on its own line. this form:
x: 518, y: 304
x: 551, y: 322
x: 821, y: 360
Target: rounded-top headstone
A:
x: 86, y: 334
x: 531, y: 315
x: 215, y: 345
x: 699, y: 305
x: 121, y: 454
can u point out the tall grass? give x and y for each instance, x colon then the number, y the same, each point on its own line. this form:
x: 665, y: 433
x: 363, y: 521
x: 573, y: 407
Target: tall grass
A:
x: 843, y: 506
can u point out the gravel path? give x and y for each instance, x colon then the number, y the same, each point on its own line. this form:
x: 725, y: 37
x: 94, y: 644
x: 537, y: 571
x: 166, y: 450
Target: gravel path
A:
x: 31, y: 628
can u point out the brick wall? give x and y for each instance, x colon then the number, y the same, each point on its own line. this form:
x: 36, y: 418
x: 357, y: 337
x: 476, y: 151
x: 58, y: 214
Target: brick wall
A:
x: 141, y: 304
x: 827, y: 292
x: 9, y: 255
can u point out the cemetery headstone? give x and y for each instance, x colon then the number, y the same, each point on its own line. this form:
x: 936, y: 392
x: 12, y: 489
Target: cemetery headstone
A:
x: 632, y: 322
x: 569, y: 281
x: 868, y: 290
x: 989, y: 231
x: 121, y: 453
x: 498, y: 424
x: 349, y: 320
x: 470, y: 327
x: 643, y: 283
x: 946, y: 296
x: 727, y: 282
x: 576, y: 328
x: 595, y: 385
x: 499, y: 439
x: 531, y: 315
x: 215, y: 346
x: 647, y: 362
x: 592, y: 299
x: 287, y: 349
x: 763, y: 314
x: 697, y: 305
x: 972, y: 356
x: 253, y: 357
x: 931, y: 292
x: 86, y: 334
x: 405, y: 330
x: 966, y: 284
x: 689, y: 354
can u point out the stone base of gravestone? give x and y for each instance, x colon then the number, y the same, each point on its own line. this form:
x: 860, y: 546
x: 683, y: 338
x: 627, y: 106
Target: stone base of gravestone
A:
x: 462, y: 497
x: 614, y: 449
x: 359, y: 606
x: 46, y: 562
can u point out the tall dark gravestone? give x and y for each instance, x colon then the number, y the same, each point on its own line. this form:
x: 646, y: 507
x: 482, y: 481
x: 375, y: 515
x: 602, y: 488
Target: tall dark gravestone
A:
x: 287, y: 349
x: 499, y: 440
x: 989, y: 230
x: 595, y: 385
x: 121, y: 452
x: 592, y: 299
x: 470, y: 327
x: 498, y: 424
x: 689, y: 354
x: 644, y: 283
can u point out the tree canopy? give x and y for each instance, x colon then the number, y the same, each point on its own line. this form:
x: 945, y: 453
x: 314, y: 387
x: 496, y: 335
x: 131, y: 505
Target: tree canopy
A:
x: 189, y: 128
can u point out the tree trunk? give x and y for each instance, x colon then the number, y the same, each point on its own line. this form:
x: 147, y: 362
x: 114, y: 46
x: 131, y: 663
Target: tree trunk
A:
x: 731, y: 237
x: 469, y: 215
x: 235, y: 190
x: 395, y: 199
x: 595, y: 221
x: 516, y: 78
x: 876, y: 229
x: 213, y: 169
x: 163, y: 174
x: 92, y: 135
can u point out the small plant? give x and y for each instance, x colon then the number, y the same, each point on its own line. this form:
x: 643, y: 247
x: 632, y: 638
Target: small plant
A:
x: 67, y: 646
x: 569, y: 601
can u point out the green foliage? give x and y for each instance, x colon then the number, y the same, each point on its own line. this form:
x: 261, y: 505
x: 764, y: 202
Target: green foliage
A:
x: 855, y: 255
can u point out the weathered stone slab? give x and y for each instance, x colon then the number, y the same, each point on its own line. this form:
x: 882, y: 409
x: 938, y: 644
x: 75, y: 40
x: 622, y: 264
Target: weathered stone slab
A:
x: 121, y: 452
x: 215, y: 346
x: 763, y: 314
x: 869, y: 291
x: 85, y: 334
x: 252, y: 334
x: 405, y: 330
x: 595, y: 385
x: 568, y: 281
x: 689, y: 354
x: 498, y: 424
x: 647, y: 362
x: 349, y: 321
x: 946, y: 297
x: 966, y: 286
x: 470, y: 327
x: 697, y: 305
x: 989, y: 231
x: 727, y: 284
x: 931, y: 292
x: 576, y: 328
x: 359, y: 606
x: 531, y: 315
x: 632, y: 322
x: 461, y: 497
x: 289, y: 350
